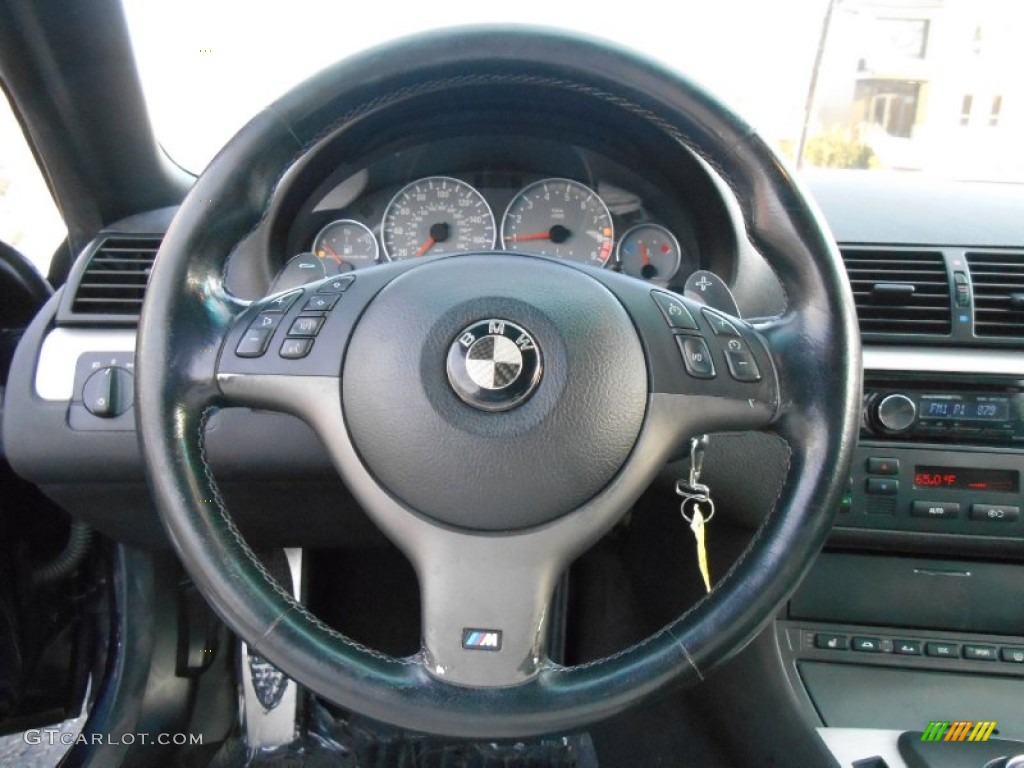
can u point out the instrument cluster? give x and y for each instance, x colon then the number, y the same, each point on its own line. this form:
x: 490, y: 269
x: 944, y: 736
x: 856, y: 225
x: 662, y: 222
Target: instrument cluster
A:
x: 558, y: 217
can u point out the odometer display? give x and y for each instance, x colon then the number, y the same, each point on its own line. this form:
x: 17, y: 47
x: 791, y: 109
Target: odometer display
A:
x: 966, y: 479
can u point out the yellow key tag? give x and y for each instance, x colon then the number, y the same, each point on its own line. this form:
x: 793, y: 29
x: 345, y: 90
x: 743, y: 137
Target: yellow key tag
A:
x: 697, y: 526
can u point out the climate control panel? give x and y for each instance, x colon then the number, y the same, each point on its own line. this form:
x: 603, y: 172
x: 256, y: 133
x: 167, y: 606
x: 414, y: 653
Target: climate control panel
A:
x: 969, y: 491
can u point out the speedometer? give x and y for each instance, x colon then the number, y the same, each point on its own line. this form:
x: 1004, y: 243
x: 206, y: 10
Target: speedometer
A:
x: 437, y: 215
x: 560, y: 218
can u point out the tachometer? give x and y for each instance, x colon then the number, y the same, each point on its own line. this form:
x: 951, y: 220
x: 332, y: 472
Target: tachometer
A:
x: 437, y: 215
x: 560, y: 218
x: 345, y: 245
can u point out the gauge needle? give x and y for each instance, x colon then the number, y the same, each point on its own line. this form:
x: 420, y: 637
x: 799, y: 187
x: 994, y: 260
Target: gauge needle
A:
x: 644, y: 256
x: 427, y: 245
x: 648, y: 270
x: 331, y: 253
x: 557, y: 234
x: 438, y: 234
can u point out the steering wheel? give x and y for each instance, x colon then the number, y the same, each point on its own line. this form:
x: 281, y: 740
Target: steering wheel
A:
x: 494, y: 414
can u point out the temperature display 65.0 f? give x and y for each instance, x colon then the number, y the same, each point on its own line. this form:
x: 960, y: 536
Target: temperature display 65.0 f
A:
x: 967, y: 479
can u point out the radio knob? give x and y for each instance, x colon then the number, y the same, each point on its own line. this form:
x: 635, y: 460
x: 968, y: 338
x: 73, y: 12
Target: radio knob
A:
x: 896, y: 412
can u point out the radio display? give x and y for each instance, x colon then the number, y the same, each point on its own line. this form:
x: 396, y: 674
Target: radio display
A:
x: 963, y: 409
x: 967, y: 479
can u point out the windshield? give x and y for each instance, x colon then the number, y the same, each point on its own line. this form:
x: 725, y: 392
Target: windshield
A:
x: 918, y: 85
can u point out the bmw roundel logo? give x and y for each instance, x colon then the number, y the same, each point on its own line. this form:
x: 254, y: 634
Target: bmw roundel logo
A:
x: 494, y: 365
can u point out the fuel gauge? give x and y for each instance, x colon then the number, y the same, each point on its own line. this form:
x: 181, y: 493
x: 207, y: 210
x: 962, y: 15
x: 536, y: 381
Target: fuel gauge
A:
x: 345, y: 245
x: 649, y: 251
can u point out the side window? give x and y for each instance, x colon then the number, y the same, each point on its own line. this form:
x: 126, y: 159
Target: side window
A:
x: 29, y: 219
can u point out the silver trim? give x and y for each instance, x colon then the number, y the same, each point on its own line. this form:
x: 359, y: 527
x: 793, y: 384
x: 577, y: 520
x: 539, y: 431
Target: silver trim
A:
x: 263, y: 729
x: 944, y: 360
x: 59, y: 353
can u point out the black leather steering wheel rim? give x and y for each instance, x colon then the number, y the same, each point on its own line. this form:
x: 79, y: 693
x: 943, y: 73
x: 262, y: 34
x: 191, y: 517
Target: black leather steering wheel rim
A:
x: 188, y: 315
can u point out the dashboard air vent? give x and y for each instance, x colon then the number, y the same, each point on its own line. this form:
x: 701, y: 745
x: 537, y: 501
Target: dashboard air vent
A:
x: 114, y: 280
x: 998, y: 282
x: 899, y: 292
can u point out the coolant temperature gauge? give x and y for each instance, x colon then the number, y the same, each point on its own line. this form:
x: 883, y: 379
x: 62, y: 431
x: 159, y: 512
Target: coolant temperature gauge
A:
x: 649, y: 251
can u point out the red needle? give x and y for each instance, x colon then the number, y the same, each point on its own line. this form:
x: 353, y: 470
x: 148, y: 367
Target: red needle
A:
x: 643, y: 254
x: 535, y: 236
x: 332, y: 254
x: 427, y: 245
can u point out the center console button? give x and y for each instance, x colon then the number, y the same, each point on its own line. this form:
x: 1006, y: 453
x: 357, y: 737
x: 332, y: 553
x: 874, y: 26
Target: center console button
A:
x: 878, y: 466
x: 867, y: 644
x: 830, y: 642
x: 942, y: 650
x: 996, y: 513
x: 936, y: 510
x: 907, y: 647
x: 980, y: 652
x: 879, y: 486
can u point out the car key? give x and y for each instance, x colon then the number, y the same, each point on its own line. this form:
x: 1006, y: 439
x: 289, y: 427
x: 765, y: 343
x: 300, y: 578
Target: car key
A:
x: 695, y: 494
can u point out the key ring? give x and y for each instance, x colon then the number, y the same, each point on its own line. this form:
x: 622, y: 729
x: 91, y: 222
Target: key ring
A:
x: 697, y: 501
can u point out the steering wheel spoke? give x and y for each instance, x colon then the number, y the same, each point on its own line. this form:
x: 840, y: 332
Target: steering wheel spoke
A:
x: 485, y: 606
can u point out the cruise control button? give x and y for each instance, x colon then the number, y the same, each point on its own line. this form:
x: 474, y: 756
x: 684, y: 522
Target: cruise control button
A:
x: 337, y: 284
x: 306, y: 325
x: 1012, y: 655
x: 283, y: 302
x: 740, y: 361
x: 831, y: 642
x: 980, y: 652
x: 321, y: 302
x: 266, y: 320
x: 907, y: 647
x: 942, y: 650
x: 867, y: 644
x: 254, y: 342
x: 996, y: 513
x: 719, y: 324
x: 936, y: 510
x: 675, y: 312
x: 293, y: 349
x: 696, y: 356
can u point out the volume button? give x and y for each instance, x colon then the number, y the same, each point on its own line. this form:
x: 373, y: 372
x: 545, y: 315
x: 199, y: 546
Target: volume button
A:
x: 896, y: 412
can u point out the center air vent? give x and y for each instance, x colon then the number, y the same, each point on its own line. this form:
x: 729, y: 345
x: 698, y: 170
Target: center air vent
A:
x: 899, y: 292
x: 998, y: 282
x: 114, y: 280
